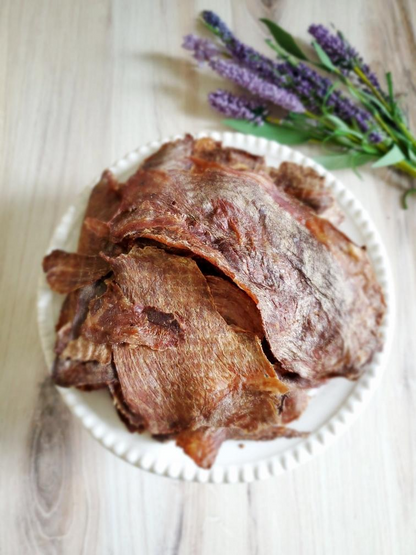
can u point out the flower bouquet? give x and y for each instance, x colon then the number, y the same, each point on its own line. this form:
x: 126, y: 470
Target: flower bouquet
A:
x: 349, y: 111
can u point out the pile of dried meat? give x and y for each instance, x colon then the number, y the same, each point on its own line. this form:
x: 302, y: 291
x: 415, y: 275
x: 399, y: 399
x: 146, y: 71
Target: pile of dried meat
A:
x: 208, y: 293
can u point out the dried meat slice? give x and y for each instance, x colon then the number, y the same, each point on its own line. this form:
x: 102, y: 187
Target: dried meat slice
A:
x: 235, y: 306
x: 208, y: 378
x: 102, y: 205
x: 319, y: 300
x: 307, y: 185
x: 81, y: 374
x: 172, y: 155
x: 203, y: 445
x: 213, y: 151
x: 66, y: 272
x: 80, y: 362
x: 133, y: 422
x: 302, y: 183
x: 114, y: 319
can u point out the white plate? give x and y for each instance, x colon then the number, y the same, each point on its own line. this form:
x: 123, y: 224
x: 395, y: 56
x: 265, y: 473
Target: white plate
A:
x: 332, y: 409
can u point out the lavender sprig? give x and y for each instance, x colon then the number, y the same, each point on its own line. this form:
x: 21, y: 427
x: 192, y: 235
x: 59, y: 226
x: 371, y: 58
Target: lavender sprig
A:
x: 242, y: 53
x: 206, y: 51
x: 238, y: 107
x: 367, y: 127
x: 215, y: 22
x: 341, y: 53
x: 256, y: 85
x: 307, y: 84
x: 203, y: 49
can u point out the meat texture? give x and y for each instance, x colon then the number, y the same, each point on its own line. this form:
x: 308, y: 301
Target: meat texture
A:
x: 319, y: 301
x: 235, y: 306
x: 114, y: 319
x: 66, y: 272
x: 202, y: 445
x: 207, y: 291
x: 103, y: 203
x: 79, y: 362
x: 210, y: 376
x: 304, y: 184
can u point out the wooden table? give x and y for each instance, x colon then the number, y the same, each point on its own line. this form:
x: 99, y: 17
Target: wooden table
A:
x: 82, y: 83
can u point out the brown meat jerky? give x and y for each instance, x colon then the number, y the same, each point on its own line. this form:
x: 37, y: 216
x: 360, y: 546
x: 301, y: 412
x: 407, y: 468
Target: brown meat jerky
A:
x: 320, y: 303
x: 211, y: 375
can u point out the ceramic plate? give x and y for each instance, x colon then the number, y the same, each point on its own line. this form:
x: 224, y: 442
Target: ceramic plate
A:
x: 333, y: 407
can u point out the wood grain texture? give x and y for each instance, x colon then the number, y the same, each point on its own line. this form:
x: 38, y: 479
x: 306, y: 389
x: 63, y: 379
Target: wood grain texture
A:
x: 81, y: 84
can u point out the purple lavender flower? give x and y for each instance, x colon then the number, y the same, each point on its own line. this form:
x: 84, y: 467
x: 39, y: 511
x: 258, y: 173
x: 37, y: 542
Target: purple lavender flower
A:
x: 246, y: 55
x: 257, y: 86
x: 284, y: 75
x: 375, y: 137
x: 300, y: 80
x: 312, y: 89
x: 305, y: 83
x: 220, y: 27
x: 341, y: 53
x: 203, y: 49
x: 238, y: 107
x: 292, y: 86
x: 348, y: 111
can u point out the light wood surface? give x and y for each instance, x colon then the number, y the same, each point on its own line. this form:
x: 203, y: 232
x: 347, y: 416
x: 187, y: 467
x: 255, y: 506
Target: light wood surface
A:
x: 82, y: 83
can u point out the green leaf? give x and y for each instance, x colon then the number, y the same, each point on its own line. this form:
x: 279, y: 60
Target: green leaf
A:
x: 324, y: 58
x: 278, y: 49
x: 398, y: 115
x: 380, y: 107
x: 280, y: 134
x: 370, y: 149
x: 370, y: 102
x: 328, y: 94
x: 411, y: 154
x: 407, y: 194
x: 339, y: 124
x: 377, y: 108
x: 284, y: 39
x: 341, y: 137
x: 393, y: 156
x: 390, y: 88
x: 344, y: 160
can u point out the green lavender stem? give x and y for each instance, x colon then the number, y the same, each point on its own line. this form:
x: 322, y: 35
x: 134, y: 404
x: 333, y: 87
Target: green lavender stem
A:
x: 406, y: 167
x: 377, y: 94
